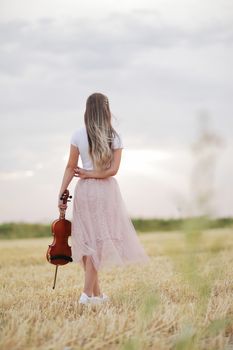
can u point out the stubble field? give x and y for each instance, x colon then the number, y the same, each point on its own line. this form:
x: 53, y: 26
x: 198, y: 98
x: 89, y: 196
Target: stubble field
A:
x: 183, y: 299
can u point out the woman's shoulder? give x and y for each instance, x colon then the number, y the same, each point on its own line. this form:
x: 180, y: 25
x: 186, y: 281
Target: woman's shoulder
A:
x: 79, y: 130
x: 77, y: 134
x: 117, y: 140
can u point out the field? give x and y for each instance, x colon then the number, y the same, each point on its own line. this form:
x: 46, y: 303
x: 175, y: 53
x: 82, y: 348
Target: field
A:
x: 183, y: 299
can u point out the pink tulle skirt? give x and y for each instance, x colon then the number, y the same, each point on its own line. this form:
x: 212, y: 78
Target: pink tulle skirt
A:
x: 101, y: 226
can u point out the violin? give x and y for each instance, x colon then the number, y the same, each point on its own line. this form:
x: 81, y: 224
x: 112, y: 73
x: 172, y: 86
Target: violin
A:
x: 59, y: 252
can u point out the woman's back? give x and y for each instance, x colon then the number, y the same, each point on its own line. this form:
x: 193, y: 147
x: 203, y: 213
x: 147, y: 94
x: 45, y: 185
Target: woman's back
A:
x: 80, y: 140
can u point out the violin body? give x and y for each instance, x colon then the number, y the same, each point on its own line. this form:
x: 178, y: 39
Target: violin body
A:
x: 59, y: 252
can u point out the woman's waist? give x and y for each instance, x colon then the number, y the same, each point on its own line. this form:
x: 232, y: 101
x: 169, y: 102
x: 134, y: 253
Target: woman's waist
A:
x: 110, y: 178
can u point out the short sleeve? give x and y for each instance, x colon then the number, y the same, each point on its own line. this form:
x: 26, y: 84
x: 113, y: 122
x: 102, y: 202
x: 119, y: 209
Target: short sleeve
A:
x: 73, y: 139
x: 117, y: 142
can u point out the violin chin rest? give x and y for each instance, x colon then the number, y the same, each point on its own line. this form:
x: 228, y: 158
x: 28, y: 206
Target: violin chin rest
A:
x: 59, y: 257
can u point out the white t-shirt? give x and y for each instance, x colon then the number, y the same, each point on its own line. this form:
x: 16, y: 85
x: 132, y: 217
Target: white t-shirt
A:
x: 80, y: 140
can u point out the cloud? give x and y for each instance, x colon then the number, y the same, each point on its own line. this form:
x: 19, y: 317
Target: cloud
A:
x: 50, y: 64
x: 15, y: 175
x: 101, y: 44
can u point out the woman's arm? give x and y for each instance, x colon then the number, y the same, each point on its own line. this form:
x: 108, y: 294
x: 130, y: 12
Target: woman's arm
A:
x: 101, y: 174
x: 69, y: 172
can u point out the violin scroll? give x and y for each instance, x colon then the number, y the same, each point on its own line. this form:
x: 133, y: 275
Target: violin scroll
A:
x: 65, y: 197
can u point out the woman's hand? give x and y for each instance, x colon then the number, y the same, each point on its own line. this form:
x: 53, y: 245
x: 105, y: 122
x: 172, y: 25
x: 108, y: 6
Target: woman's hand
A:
x: 81, y: 173
x: 61, y: 206
x: 92, y: 174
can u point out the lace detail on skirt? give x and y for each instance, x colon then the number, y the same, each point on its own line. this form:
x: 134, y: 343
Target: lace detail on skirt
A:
x: 101, y: 226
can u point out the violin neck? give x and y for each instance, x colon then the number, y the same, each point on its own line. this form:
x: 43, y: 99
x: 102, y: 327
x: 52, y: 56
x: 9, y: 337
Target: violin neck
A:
x: 62, y: 214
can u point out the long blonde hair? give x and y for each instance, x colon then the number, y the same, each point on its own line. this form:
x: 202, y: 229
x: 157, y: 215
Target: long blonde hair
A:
x: 100, y: 132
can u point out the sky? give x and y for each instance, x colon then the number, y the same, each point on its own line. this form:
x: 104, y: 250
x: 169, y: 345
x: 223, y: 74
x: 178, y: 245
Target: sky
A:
x: 162, y: 64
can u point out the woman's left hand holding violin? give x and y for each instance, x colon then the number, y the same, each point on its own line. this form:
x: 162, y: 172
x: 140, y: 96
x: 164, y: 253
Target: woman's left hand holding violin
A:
x: 61, y: 206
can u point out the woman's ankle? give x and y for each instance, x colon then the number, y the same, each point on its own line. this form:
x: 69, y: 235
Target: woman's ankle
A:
x: 89, y: 294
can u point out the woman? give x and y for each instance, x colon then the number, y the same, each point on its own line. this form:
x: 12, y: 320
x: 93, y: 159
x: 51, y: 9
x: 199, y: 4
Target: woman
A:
x: 102, y: 234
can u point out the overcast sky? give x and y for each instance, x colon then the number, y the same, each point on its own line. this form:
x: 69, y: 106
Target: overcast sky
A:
x: 161, y: 63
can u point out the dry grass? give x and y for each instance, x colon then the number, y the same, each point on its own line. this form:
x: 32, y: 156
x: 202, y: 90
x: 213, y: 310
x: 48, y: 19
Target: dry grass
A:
x: 182, y: 300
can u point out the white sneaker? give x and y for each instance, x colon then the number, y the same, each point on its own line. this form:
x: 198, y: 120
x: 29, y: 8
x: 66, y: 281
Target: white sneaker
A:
x: 100, y: 299
x: 84, y: 299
